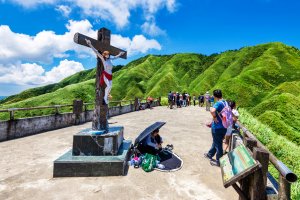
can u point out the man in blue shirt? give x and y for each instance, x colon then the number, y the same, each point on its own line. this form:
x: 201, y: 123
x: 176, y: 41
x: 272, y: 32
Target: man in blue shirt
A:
x: 217, y: 129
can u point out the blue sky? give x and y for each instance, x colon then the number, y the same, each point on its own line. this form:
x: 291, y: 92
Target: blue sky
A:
x: 36, y: 45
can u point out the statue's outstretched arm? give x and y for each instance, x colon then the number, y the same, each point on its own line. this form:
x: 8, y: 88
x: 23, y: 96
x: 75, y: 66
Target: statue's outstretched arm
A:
x: 117, y: 56
x: 95, y: 50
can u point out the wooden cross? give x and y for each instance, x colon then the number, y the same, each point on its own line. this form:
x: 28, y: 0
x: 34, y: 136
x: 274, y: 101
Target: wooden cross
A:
x: 102, y: 43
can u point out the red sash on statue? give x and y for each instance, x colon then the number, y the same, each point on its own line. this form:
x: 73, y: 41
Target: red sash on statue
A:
x: 107, y: 75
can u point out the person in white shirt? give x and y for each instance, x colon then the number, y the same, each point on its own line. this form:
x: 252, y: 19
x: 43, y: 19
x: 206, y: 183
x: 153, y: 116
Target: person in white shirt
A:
x: 207, y: 103
x: 235, y: 116
x: 106, y: 76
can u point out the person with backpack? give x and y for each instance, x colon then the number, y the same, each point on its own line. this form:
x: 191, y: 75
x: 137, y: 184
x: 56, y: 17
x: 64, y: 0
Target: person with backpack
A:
x: 222, y: 119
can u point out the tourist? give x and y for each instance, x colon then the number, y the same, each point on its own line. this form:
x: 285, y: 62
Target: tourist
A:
x: 217, y: 129
x: 194, y: 99
x: 170, y: 100
x: 201, y: 101
x: 149, y: 102
x: 189, y: 97
x: 184, y: 99
x: 106, y: 76
x: 212, y: 101
x: 152, y: 144
x: 174, y: 99
x: 181, y: 100
x: 235, y: 115
x: 178, y: 100
x: 207, y: 103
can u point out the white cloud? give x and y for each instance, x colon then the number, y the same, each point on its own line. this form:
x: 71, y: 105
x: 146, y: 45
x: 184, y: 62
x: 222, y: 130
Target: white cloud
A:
x: 152, y: 29
x: 141, y: 44
x: 46, y: 45
x: 34, y: 74
x: 65, y: 10
x: 33, y: 3
x: 115, y: 11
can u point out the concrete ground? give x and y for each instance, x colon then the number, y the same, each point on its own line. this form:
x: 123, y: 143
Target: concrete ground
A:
x: 26, y: 164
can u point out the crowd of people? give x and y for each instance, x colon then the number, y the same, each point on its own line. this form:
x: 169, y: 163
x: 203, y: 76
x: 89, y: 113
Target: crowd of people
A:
x: 184, y: 99
x: 224, y: 118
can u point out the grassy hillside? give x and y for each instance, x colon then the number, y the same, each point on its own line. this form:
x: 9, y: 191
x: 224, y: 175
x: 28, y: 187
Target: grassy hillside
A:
x: 74, y: 79
x: 263, y: 78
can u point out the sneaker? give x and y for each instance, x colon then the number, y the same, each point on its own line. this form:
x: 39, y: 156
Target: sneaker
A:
x: 160, y: 166
x: 215, y: 163
x: 207, y: 156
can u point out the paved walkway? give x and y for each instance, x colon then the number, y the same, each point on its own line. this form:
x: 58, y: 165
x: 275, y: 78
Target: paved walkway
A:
x: 27, y: 163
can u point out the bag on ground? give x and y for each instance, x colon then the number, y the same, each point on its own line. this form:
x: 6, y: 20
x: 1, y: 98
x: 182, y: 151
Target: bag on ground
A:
x: 149, y: 162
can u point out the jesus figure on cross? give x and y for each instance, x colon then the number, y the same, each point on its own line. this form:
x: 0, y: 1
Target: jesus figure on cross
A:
x: 106, y: 76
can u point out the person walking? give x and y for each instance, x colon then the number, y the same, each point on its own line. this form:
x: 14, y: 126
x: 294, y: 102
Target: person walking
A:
x: 201, y: 100
x: 217, y: 129
x: 194, y: 99
x: 184, y: 99
x: 207, y: 103
x: 178, y: 100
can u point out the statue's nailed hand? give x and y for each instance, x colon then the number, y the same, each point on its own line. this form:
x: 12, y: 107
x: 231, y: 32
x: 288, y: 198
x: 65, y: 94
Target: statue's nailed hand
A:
x: 88, y: 41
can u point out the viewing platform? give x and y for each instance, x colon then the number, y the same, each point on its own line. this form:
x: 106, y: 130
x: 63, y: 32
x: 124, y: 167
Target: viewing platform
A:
x: 27, y: 163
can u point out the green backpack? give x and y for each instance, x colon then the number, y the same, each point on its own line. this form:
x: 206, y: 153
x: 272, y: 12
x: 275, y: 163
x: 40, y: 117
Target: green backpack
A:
x: 149, y: 162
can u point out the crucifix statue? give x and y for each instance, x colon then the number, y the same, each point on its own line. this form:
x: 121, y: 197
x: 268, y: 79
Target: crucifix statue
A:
x: 103, y: 82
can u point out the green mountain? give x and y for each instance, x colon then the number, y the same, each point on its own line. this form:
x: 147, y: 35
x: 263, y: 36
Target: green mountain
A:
x: 263, y: 79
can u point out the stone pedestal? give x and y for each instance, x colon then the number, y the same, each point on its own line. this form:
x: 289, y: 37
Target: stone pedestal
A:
x: 95, y: 154
x: 95, y: 143
x: 83, y: 166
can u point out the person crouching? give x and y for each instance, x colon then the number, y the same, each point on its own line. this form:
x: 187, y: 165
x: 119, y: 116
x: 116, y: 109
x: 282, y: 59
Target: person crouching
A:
x: 152, y: 144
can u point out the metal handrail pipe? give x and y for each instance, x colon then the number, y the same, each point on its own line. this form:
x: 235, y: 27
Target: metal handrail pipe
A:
x: 280, y: 166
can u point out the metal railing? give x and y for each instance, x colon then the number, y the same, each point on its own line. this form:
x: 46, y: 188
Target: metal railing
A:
x: 13, y: 110
x: 120, y: 103
x: 286, y: 176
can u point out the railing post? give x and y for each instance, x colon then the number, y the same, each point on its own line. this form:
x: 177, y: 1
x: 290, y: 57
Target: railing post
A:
x: 77, y: 110
x: 250, y: 143
x: 120, y: 108
x: 259, y: 178
x: 11, y: 114
x: 136, y: 103
x: 57, y: 109
x: 284, y: 192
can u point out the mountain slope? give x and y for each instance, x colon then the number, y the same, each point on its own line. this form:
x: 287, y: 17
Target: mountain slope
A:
x: 256, y: 77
